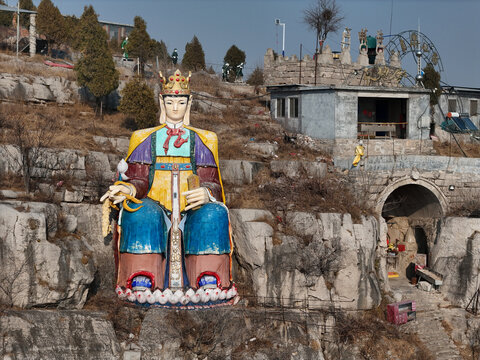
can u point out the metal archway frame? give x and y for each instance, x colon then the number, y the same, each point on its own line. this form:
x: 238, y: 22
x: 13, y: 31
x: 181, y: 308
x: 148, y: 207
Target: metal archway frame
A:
x: 383, y: 196
x: 404, y: 43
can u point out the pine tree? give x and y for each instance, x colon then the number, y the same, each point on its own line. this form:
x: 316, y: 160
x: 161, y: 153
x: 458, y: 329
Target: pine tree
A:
x: 138, y: 101
x: 96, y: 69
x: 194, y: 58
x: 25, y: 18
x: 50, y: 23
x: 5, y: 16
x: 256, y: 77
x: 139, y: 43
x: 431, y: 80
x: 160, y: 50
x: 234, y: 56
x: 71, y: 26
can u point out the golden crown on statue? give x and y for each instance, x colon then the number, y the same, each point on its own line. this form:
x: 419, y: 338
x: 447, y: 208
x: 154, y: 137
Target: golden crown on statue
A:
x: 177, y: 84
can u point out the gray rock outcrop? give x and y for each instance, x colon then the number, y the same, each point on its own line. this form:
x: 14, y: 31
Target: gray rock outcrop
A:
x: 456, y: 255
x: 37, y: 88
x: 39, y: 267
x: 62, y: 335
x: 31, y: 88
x: 318, y: 258
x: 201, y: 334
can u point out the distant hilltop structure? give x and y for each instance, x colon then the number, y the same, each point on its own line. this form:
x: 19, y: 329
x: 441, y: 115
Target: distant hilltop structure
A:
x: 333, y: 68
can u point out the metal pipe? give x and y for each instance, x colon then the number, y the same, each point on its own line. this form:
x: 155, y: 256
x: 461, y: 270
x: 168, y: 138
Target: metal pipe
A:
x: 18, y: 24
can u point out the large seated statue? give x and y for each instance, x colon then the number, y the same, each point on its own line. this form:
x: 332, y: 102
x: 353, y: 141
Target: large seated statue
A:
x: 173, y: 235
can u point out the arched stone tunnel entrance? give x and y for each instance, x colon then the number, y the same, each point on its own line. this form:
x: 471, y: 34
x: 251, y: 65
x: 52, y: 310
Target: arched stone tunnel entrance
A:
x: 412, y: 201
x: 408, y: 206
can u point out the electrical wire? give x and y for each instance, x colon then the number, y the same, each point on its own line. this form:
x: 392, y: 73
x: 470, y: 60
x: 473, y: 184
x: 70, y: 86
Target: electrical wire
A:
x: 228, y: 99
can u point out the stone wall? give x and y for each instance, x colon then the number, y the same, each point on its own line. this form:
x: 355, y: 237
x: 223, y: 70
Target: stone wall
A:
x: 379, y: 175
x: 279, y: 70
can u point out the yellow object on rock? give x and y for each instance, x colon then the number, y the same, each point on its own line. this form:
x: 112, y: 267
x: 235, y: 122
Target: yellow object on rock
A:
x: 359, y: 152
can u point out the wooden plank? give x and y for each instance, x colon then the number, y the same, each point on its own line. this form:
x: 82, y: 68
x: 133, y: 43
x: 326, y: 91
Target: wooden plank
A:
x: 431, y: 276
x: 375, y: 128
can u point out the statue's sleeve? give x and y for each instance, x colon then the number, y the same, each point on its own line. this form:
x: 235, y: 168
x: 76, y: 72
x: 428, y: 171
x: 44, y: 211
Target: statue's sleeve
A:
x: 138, y: 176
x: 209, y: 178
x: 207, y: 170
x: 139, y: 163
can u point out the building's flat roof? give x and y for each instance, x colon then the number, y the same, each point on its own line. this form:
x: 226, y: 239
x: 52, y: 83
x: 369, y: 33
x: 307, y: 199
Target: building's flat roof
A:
x: 14, y: 9
x: 114, y: 23
x: 461, y: 89
x: 323, y: 88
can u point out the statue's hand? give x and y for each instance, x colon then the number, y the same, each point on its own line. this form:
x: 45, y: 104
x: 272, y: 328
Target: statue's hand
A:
x: 116, y: 193
x: 196, y: 197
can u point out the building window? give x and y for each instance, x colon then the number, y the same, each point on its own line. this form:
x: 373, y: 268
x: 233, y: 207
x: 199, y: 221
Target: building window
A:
x: 452, y: 105
x: 473, y: 107
x: 293, y: 106
x: 280, y: 107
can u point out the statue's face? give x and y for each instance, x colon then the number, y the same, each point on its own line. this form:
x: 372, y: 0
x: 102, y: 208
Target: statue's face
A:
x: 175, y: 108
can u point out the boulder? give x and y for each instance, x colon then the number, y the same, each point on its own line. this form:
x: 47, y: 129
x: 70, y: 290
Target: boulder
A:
x: 239, y: 172
x: 295, y: 169
x: 425, y: 286
x: 66, y: 335
x: 264, y: 149
x: 37, y: 269
x: 88, y: 223
x: 251, y: 235
x: 456, y: 255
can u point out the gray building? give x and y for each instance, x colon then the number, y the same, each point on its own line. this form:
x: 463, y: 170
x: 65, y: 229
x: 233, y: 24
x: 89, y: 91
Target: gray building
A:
x: 462, y: 100
x: 352, y: 112
x: 116, y: 30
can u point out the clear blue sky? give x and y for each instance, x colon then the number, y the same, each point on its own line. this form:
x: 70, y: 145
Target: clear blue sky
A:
x: 452, y: 25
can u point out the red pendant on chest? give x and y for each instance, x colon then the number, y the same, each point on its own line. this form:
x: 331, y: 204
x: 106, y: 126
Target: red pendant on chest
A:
x: 179, y: 142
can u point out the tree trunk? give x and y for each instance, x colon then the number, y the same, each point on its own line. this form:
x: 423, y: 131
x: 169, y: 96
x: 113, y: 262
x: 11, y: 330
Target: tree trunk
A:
x: 26, y: 170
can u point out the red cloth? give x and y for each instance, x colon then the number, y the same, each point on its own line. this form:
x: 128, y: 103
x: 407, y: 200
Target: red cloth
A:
x: 179, y: 142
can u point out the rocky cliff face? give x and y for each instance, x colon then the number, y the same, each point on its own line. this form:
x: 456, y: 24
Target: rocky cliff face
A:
x: 30, y: 88
x: 318, y: 260
x: 40, y: 266
x: 456, y: 255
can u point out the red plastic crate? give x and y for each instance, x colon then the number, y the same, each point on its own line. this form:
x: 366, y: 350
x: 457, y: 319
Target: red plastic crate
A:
x: 401, y: 312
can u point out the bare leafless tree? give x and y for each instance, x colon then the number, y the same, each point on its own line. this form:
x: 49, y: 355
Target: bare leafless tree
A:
x: 323, y: 17
x: 29, y: 136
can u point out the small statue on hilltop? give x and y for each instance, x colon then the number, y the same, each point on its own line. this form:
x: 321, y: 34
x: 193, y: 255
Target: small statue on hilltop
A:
x: 346, y: 39
x: 362, y: 38
x: 173, y: 243
x: 239, y: 73
x: 124, y: 48
x: 174, y: 56
x: 225, y: 71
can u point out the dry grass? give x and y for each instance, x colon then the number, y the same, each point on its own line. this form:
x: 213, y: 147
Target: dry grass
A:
x: 72, y: 129
x: 446, y: 148
x: 331, y: 193
x: 33, y: 66
x: 377, y: 339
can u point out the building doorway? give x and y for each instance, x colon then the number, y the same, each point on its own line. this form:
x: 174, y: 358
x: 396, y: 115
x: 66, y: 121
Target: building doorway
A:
x: 382, y: 117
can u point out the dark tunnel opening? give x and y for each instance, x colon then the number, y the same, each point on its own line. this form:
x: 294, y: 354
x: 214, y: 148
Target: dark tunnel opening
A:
x: 414, y: 201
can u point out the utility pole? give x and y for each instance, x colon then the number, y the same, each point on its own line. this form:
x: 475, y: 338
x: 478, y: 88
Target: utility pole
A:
x: 277, y: 22
x: 18, y: 24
